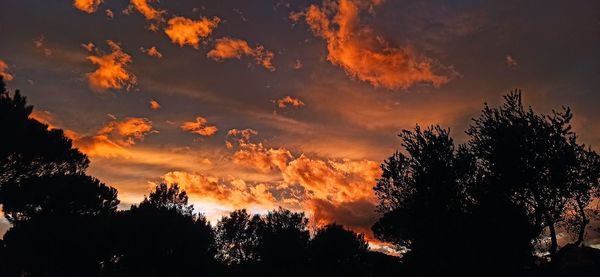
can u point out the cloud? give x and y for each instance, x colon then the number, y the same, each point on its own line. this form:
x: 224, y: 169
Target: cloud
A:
x: 148, y: 11
x: 113, y: 139
x: 231, y: 48
x: 257, y: 156
x: 110, y: 14
x: 4, y: 71
x: 111, y: 72
x: 44, y: 117
x: 297, y: 64
x: 339, y: 190
x: 358, y: 215
x: 336, y: 181
x: 289, y: 101
x: 184, y: 31
x: 154, y: 104
x: 39, y: 44
x: 233, y: 192
x: 199, y: 127
x: 88, y: 46
x: 511, y: 62
x: 240, y: 136
x: 361, y: 53
x: 152, y: 52
x: 88, y: 6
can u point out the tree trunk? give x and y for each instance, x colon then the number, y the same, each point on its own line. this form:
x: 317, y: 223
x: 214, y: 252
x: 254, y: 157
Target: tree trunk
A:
x: 554, y: 241
x: 582, y: 225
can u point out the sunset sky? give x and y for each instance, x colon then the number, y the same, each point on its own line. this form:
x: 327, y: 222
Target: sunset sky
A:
x: 260, y: 104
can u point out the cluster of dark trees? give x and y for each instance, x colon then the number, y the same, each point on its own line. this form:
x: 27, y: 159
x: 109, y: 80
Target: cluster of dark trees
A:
x: 67, y: 223
x: 493, y: 206
x: 486, y: 206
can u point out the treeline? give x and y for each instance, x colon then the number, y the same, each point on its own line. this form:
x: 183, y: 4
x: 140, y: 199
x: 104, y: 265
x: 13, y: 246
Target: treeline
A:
x: 498, y: 203
x: 66, y: 223
x: 495, y: 205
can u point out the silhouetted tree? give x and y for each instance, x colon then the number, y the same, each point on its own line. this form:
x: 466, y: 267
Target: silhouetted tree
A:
x: 519, y: 174
x: 282, y: 242
x: 336, y: 251
x: 167, y: 198
x: 534, y: 162
x: 237, y: 238
x: 28, y: 148
x: 47, y: 245
x: 421, y: 196
x: 162, y: 237
x: 57, y: 195
x: 56, y: 210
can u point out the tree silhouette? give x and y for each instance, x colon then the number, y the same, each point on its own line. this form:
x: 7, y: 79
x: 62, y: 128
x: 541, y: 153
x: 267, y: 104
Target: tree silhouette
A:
x: 519, y: 174
x: 453, y: 210
x: 162, y: 237
x: 28, y: 148
x: 421, y: 194
x: 237, y: 238
x: 283, y: 239
x: 167, y: 198
x: 336, y: 251
x: 57, y: 195
x: 47, y: 245
x: 57, y: 211
x: 535, y: 162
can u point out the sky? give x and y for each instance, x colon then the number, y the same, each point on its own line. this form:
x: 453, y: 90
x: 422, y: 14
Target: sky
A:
x: 261, y: 104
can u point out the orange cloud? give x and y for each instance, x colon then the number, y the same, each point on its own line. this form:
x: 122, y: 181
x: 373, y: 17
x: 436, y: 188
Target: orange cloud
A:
x: 199, y: 127
x: 233, y: 192
x: 240, y: 136
x: 88, y: 46
x: 337, y: 181
x: 364, y: 55
x: 132, y: 129
x: 111, y: 72
x: 257, y: 156
x: 88, y: 6
x: 113, y: 138
x: 44, y: 117
x: 291, y: 101
x: 154, y: 104
x: 184, y: 31
x: 145, y: 9
x: 99, y: 146
x: 4, y: 71
x: 230, y: 48
x: 329, y: 190
x: 152, y: 52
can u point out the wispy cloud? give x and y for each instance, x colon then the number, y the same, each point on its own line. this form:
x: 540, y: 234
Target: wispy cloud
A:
x: 362, y: 53
x: 4, y: 71
x: 184, y: 31
x: 111, y: 72
x: 199, y: 127
x: 152, y: 52
x: 231, y: 48
x: 289, y: 101
x: 88, y: 6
